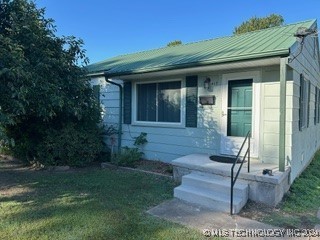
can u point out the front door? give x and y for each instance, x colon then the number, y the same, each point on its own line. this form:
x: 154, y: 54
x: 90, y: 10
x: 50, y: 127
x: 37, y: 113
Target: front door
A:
x: 236, y: 114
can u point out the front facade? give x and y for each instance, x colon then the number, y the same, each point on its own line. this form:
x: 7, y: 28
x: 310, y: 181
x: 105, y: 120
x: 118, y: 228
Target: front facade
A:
x: 208, y: 99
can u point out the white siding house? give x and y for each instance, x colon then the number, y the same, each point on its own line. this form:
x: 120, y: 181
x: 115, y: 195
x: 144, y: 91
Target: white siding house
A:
x: 242, y: 75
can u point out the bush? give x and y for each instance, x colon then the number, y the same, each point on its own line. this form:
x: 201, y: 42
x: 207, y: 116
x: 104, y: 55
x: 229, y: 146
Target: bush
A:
x: 72, y: 146
x: 128, y: 157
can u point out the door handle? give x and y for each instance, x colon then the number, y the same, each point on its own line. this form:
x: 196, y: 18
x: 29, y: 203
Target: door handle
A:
x: 223, y: 113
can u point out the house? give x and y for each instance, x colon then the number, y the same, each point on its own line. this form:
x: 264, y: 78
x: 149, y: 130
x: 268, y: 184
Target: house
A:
x: 203, y: 98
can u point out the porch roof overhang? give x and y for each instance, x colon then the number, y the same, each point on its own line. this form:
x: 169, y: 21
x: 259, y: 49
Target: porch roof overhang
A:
x: 248, y: 64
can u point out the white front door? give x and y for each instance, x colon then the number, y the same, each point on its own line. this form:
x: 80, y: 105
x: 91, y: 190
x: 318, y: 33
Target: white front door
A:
x: 240, y: 112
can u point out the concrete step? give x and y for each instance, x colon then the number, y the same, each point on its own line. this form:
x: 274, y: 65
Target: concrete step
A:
x: 212, y: 200
x: 212, y: 191
x: 214, y: 183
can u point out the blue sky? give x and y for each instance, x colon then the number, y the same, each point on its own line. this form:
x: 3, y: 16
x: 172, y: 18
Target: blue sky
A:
x: 113, y: 27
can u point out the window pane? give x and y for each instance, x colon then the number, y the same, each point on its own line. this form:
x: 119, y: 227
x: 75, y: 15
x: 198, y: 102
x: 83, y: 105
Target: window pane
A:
x: 169, y: 101
x: 318, y: 107
x: 315, y: 105
x: 146, y: 109
x: 96, y: 92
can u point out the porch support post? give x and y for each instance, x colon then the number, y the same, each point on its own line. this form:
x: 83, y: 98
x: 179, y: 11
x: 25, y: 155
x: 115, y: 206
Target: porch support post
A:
x: 282, y: 127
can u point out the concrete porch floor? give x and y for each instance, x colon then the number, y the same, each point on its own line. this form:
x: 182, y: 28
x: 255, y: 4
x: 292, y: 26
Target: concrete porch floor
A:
x: 263, y: 188
x: 202, y: 162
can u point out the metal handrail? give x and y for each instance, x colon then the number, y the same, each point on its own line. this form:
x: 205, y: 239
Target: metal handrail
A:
x: 247, y: 154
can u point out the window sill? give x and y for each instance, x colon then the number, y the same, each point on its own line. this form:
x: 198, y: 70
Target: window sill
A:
x: 158, y: 124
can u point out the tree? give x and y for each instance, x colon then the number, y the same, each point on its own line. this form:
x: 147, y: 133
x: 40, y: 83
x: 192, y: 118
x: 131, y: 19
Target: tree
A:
x: 174, y: 43
x: 256, y: 23
x: 42, y: 84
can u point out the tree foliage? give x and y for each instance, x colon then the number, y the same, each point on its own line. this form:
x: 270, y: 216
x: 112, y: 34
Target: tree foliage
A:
x: 42, y: 84
x: 256, y: 23
x: 174, y: 43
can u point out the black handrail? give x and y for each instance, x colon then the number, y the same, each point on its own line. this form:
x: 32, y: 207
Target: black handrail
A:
x: 233, y: 181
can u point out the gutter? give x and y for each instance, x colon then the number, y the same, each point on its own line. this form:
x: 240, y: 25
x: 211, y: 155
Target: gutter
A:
x: 103, y: 74
x: 233, y: 59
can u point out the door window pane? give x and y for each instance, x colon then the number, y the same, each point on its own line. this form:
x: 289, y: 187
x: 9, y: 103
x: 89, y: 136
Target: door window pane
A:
x: 239, y: 107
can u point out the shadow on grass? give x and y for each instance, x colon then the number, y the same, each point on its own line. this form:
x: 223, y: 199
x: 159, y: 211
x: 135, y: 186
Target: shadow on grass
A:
x: 86, y: 204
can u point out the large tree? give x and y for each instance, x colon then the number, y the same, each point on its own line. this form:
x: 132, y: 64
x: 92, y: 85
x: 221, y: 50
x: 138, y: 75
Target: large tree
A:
x: 174, y: 43
x: 42, y: 84
x: 256, y: 23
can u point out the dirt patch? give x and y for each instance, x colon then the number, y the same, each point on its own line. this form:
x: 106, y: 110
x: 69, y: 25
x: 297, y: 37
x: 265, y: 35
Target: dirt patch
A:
x: 277, y: 217
x: 256, y: 211
x: 155, y: 166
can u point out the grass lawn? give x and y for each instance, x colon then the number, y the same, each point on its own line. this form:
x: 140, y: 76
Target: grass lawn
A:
x: 94, y: 203
x: 91, y: 203
x: 299, y: 206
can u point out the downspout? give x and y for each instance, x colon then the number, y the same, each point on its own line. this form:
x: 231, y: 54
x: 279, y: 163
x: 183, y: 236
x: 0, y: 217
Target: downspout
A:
x: 120, y: 103
x: 120, y: 110
x: 282, y: 126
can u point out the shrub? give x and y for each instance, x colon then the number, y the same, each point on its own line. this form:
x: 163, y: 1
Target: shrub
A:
x: 128, y: 157
x: 72, y: 145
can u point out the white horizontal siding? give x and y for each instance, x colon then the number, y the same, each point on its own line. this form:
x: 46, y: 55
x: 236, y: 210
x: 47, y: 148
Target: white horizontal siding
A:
x: 305, y: 142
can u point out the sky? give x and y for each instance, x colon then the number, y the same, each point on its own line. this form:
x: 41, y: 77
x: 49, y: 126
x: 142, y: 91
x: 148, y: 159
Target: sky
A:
x: 113, y: 27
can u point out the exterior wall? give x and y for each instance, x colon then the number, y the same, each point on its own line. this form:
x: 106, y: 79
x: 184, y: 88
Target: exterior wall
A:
x: 109, y: 99
x: 169, y: 143
x: 270, y: 115
x: 305, y: 142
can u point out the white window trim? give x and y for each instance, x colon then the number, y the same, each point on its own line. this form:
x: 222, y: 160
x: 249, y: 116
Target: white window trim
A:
x: 180, y: 124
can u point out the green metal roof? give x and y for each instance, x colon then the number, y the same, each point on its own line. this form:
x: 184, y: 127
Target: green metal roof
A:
x: 269, y: 42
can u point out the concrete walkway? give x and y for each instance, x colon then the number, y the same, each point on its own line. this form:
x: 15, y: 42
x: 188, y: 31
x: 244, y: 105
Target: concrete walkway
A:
x: 211, y: 222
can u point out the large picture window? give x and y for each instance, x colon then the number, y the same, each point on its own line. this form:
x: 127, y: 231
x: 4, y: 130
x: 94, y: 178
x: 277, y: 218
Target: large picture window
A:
x: 159, y: 102
x: 304, y: 108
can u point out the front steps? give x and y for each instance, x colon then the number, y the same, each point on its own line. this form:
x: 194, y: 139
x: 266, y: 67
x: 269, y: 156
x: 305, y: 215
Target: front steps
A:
x: 212, y: 191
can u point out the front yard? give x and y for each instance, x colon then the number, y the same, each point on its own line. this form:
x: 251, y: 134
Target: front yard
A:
x: 88, y: 203
x: 95, y: 203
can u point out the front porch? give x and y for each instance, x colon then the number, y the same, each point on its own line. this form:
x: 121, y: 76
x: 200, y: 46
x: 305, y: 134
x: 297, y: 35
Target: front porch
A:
x: 268, y: 189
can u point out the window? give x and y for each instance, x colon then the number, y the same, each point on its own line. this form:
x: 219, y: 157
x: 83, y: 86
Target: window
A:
x: 316, y: 107
x: 159, y: 102
x: 304, y: 103
x: 96, y: 92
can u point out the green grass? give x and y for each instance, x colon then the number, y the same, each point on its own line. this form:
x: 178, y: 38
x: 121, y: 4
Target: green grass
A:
x: 85, y: 204
x: 300, y: 205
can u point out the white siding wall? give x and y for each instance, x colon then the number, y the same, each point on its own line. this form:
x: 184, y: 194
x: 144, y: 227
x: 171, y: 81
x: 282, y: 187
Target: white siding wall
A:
x: 270, y: 116
x: 168, y: 143
x: 109, y: 99
x: 306, y: 142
